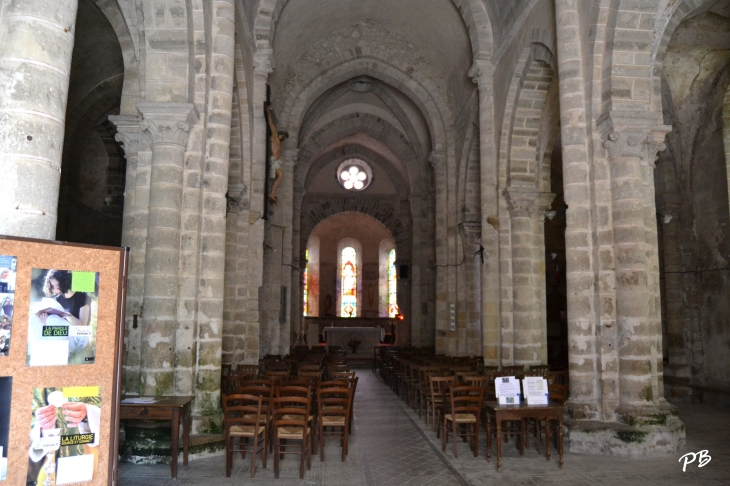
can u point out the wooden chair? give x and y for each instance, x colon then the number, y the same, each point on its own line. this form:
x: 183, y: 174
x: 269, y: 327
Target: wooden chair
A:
x: 225, y: 369
x: 341, y: 375
x: 276, y: 376
x: 465, y: 412
x: 244, y: 419
x: 423, y: 387
x: 290, y: 419
x: 437, y: 386
x: 247, y: 371
x: 334, y: 412
x: 462, y: 375
x: 538, y: 370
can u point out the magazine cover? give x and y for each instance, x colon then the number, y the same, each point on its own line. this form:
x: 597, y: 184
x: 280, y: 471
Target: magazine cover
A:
x: 8, y: 265
x: 64, y: 435
x: 6, y: 387
x: 62, y: 318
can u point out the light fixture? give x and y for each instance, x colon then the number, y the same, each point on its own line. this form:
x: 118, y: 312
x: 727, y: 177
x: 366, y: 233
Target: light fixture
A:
x: 354, y: 175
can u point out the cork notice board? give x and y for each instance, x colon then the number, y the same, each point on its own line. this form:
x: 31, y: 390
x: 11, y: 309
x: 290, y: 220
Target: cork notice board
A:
x: 61, y: 311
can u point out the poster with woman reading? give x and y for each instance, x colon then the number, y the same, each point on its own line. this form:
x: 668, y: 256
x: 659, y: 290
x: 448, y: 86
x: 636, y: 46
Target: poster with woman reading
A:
x: 63, y: 317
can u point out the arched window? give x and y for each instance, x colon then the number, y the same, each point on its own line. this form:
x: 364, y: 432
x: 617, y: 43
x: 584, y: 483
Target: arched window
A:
x: 392, y: 286
x: 387, y: 278
x: 305, y: 293
x: 348, y: 283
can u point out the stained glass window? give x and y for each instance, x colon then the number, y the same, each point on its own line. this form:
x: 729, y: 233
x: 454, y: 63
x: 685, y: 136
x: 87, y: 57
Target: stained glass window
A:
x: 348, y: 288
x: 392, y: 286
x: 305, y: 295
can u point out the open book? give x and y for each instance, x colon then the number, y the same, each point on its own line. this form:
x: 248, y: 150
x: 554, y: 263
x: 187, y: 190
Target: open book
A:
x: 49, y: 305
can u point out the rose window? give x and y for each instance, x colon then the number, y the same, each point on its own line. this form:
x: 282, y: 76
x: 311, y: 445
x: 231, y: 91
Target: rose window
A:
x: 354, y: 175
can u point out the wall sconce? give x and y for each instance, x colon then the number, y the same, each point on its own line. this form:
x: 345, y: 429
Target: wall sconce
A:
x: 551, y: 215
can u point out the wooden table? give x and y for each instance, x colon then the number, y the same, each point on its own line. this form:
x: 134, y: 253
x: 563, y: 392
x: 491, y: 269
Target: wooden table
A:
x: 164, y: 408
x: 521, y: 412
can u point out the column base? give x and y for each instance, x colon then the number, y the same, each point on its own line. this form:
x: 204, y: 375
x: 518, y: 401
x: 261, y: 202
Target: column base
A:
x: 148, y: 442
x: 657, y: 431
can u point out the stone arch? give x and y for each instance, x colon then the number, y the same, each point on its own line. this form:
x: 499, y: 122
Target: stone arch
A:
x: 361, y: 152
x: 314, y: 78
x: 320, y: 106
x: 473, y: 12
x: 644, y: 87
x: 369, y: 125
x: 523, y: 124
x: 376, y: 207
x: 131, y: 86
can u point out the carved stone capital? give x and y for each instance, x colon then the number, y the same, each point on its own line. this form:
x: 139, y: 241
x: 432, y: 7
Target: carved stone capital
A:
x: 263, y: 62
x: 631, y: 134
x: 626, y: 144
x: 527, y: 202
x: 437, y: 158
x: 654, y: 145
x: 544, y: 203
x: 128, y: 133
x: 480, y: 72
x: 167, y: 123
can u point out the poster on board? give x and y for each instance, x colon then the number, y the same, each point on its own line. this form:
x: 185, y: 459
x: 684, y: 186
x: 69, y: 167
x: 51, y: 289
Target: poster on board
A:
x: 8, y: 267
x: 64, y: 435
x: 62, y: 320
x: 6, y: 388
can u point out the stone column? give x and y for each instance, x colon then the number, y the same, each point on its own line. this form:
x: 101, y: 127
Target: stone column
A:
x: 581, y: 252
x: 527, y: 207
x: 168, y: 126
x: 482, y: 73
x: 637, y: 339
x: 678, y: 324
x: 36, y: 41
x: 443, y: 330
x: 128, y: 134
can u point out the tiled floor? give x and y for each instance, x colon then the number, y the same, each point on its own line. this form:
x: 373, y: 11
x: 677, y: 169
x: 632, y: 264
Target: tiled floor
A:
x: 392, y: 447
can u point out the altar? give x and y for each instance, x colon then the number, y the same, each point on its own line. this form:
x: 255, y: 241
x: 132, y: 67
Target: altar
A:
x: 342, y: 336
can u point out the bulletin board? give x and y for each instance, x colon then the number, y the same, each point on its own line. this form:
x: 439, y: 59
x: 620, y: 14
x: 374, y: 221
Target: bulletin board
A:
x: 61, y: 360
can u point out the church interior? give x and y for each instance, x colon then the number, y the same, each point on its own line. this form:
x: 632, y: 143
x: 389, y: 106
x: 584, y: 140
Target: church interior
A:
x: 504, y: 186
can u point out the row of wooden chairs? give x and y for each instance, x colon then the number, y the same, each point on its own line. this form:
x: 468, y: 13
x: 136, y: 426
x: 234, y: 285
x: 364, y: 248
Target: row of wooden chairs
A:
x: 438, y: 384
x: 270, y: 414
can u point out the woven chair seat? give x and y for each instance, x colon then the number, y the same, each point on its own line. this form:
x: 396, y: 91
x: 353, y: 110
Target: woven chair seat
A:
x: 291, y: 432
x: 461, y: 418
x: 245, y: 430
x: 262, y: 418
x: 297, y: 417
x: 333, y: 421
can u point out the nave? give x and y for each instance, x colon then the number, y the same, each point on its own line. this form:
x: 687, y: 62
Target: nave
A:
x: 391, y: 446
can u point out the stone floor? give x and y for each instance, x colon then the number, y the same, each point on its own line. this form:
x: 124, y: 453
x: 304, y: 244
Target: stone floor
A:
x: 392, y: 447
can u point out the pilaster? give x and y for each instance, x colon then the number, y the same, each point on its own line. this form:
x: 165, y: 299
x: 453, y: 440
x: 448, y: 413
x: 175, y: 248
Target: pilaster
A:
x: 129, y: 135
x: 482, y: 73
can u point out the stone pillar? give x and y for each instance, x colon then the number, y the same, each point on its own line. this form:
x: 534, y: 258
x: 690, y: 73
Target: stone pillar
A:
x: 168, y: 126
x: 128, y: 134
x: 36, y: 41
x: 581, y: 255
x: 482, y: 73
x: 637, y: 336
x: 678, y: 332
x: 438, y: 163
x: 527, y: 208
